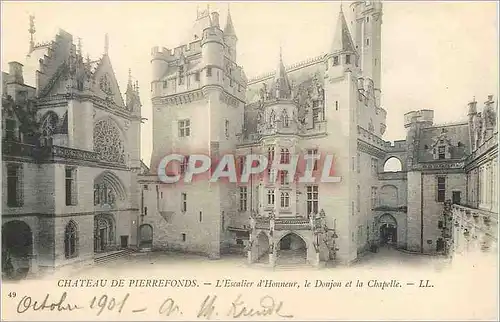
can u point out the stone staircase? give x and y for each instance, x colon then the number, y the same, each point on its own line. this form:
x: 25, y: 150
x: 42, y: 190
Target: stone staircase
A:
x: 111, y: 256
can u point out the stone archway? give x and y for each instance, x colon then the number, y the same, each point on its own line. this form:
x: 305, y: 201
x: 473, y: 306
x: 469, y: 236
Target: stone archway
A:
x: 388, y: 230
x: 291, y: 249
x: 17, y: 249
x: 262, y: 248
x: 104, y: 233
x: 146, y: 236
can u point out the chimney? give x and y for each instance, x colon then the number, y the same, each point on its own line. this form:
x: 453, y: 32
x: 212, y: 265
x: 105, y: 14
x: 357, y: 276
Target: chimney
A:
x: 16, y: 72
x: 215, y: 19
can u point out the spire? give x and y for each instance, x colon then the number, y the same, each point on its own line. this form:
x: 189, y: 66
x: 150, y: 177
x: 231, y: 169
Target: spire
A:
x: 106, y: 44
x: 32, y: 31
x: 282, y: 83
x: 342, y: 40
x: 229, y: 28
x: 129, y: 84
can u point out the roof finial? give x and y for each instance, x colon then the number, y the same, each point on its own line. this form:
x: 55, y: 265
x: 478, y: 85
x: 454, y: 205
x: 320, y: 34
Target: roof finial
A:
x: 32, y: 31
x: 341, y: 7
x: 106, y: 44
x: 130, y: 76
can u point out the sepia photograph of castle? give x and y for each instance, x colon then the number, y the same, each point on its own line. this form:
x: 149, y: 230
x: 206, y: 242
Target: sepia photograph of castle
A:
x: 85, y: 135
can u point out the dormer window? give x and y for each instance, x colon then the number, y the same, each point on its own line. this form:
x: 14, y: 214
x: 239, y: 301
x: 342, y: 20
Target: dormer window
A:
x: 441, y: 152
x: 347, y: 59
x: 335, y: 60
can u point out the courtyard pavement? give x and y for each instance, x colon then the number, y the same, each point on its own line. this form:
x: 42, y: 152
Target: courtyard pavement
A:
x: 159, y: 263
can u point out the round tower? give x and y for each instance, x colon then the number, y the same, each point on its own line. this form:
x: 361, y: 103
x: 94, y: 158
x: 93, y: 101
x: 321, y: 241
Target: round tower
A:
x: 159, y: 63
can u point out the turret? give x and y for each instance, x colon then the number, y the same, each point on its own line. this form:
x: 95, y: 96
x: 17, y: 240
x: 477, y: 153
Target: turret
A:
x: 212, y: 53
x: 342, y: 54
x: 425, y: 118
x: 230, y: 38
x: 16, y: 72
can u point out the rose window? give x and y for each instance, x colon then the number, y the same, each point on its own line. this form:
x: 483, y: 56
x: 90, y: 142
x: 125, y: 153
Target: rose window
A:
x: 108, y: 143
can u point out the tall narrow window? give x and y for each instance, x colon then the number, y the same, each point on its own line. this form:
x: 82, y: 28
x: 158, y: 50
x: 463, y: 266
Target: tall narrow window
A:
x: 71, y: 199
x: 285, y: 156
x: 201, y: 216
x: 197, y: 76
x: 358, y: 162
x: 347, y: 59
x: 284, y: 177
x: 209, y: 71
x: 184, y: 165
x: 374, y: 197
x: 358, y: 199
x: 270, y: 197
x: 226, y: 128
x: 336, y: 105
x: 312, y: 153
x: 14, y: 185
x: 270, y: 154
x: 183, y: 202
x: 441, y: 189
x: 183, y: 237
x: 10, y: 130
x: 312, y: 199
x: 184, y: 128
x: 285, y: 200
x: 335, y: 60
x: 145, y: 211
x: 243, y: 198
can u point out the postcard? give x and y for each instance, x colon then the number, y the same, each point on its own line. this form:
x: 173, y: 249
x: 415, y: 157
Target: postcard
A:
x: 249, y: 161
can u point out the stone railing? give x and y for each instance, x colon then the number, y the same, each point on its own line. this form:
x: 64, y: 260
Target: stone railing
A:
x: 473, y: 230
x: 69, y: 153
x: 291, y: 223
x: 480, y: 218
x: 369, y: 137
x: 490, y: 143
x: 19, y: 149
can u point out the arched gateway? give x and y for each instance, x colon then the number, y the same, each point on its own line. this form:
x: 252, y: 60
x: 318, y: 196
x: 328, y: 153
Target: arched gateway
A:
x: 104, y: 233
x: 17, y: 249
x: 292, y: 249
x: 388, y: 228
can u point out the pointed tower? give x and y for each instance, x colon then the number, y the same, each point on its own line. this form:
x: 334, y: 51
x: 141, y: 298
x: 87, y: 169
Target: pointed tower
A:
x: 341, y: 116
x: 281, y: 82
x: 230, y: 38
x: 343, y: 53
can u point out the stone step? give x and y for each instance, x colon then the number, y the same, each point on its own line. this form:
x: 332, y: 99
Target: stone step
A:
x: 108, y: 257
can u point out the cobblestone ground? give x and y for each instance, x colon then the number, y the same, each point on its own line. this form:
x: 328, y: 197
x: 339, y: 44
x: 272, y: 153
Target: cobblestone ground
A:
x: 159, y: 263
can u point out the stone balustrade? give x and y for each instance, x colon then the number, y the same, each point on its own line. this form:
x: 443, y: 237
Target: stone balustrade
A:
x: 473, y: 229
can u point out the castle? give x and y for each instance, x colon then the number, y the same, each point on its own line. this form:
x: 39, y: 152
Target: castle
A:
x: 330, y: 104
x: 75, y: 188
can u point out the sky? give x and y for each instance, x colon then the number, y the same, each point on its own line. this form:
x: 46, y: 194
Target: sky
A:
x: 435, y: 55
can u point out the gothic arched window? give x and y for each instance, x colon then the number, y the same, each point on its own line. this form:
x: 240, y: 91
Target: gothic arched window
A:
x: 71, y: 240
x: 107, y: 142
